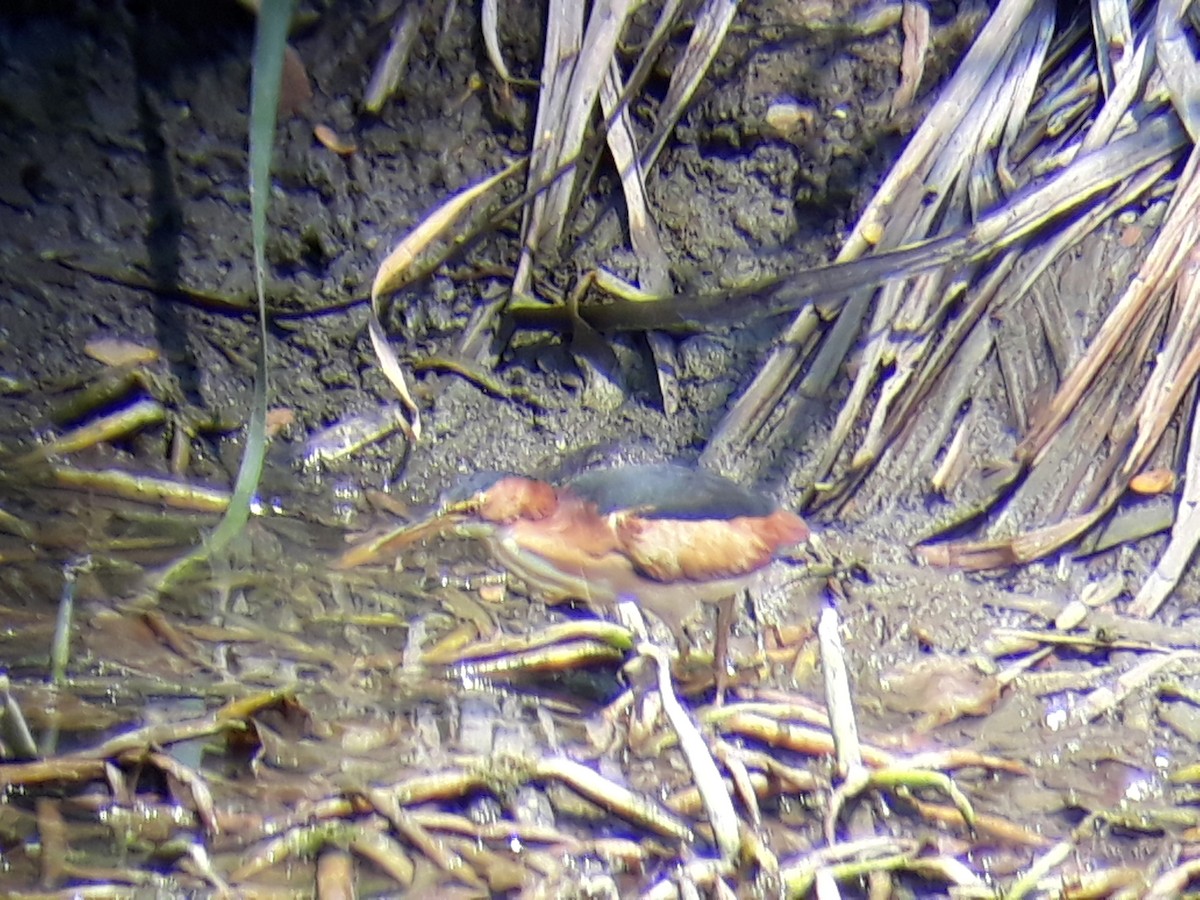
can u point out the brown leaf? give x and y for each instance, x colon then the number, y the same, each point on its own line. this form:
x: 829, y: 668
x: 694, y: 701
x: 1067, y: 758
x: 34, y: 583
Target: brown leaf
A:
x: 295, y: 91
x: 331, y: 140
x: 942, y: 689
x: 119, y: 352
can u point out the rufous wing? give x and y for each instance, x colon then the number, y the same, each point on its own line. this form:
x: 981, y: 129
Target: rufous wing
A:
x: 670, y: 550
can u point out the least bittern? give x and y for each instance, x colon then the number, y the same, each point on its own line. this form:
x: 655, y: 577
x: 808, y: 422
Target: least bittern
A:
x: 663, y: 536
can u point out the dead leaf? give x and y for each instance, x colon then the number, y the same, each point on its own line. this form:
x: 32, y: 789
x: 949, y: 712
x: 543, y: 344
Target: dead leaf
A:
x: 119, y: 352
x: 330, y: 140
x: 942, y: 689
x: 1153, y: 481
x: 915, y: 22
x: 279, y: 418
x: 295, y: 91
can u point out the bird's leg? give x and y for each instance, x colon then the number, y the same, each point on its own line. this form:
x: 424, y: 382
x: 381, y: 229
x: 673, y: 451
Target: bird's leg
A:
x: 725, y: 614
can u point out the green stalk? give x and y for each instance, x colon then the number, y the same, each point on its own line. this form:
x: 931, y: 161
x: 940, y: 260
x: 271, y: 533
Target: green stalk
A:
x: 274, y: 18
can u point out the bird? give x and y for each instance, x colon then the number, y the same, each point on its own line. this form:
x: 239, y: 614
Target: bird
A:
x: 661, y: 535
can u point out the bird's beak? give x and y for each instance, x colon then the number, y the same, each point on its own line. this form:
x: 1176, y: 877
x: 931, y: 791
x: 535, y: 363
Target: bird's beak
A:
x: 462, y: 519
x: 386, y: 546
